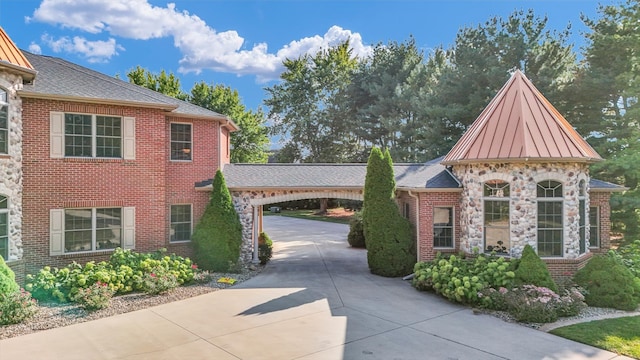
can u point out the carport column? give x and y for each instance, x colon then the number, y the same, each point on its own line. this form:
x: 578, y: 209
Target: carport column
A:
x: 256, y: 233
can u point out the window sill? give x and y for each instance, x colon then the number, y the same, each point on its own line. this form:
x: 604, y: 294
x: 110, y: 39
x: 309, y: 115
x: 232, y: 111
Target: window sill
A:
x: 5, y: 156
x: 444, y: 248
x: 181, y: 161
x: 85, y: 253
x: 95, y: 160
x: 179, y: 242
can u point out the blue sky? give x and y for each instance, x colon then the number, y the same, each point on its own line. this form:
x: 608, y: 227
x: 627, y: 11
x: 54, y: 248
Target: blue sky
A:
x: 241, y: 43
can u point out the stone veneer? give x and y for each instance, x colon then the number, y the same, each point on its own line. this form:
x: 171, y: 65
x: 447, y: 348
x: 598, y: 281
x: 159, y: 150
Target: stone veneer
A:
x: 11, y: 164
x: 246, y: 200
x: 523, y: 179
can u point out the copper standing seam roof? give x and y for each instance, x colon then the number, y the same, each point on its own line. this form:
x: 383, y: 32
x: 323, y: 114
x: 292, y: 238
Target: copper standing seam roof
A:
x: 520, y: 124
x: 12, y: 56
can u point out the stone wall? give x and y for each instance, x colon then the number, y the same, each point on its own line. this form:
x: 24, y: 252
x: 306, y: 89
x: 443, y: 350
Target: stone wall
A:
x: 523, y: 179
x: 11, y: 164
x: 246, y: 200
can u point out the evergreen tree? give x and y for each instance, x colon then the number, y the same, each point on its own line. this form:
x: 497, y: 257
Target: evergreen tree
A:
x: 218, y: 236
x: 390, y: 244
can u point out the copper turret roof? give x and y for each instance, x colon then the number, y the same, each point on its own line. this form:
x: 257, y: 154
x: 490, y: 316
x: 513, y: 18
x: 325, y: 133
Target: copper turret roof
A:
x: 520, y: 124
x: 12, y: 58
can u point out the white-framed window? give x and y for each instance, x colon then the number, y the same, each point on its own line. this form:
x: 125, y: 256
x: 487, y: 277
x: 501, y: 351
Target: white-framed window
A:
x: 497, y: 236
x: 443, y: 233
x: 550, y: 218
x: 594, y: 227
x: 583, y: 213
x: 92, y: 136
x: 4, y: 227
x: 4, y: 122
x: 181, y: 141
x: 181, y: 221
x: 78, y: 230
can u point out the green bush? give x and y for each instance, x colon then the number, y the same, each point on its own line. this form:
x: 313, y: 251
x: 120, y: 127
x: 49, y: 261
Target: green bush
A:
x: 124, y: 273
x: 8, y: 284
x: 630, y: 256
x: 265, y: 248
x: 95, y: 297
x: 16, y: 307
x: 532, y: 304
x: 531, y: 270
x: 217, y: 238
x: 462, y: 280
x: 389, y: 239
x: 609, y: 283
x: 356, y: 231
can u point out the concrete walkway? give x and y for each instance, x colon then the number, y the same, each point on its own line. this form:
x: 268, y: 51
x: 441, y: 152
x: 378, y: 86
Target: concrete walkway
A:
x: 315, y: 300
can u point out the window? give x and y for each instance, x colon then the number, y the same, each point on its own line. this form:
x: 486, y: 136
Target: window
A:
x: 443, y: 227
x: 180, y: 141
x: 4, y: 227
x: 582, y: 212
x: 180, y: 223
x: 406, y: 210
x: 4, y: 123
x: 92, y: 229
x: 550, y: 214
x: 496, y: 217
x: 594, y: 227
x: 92, y: 136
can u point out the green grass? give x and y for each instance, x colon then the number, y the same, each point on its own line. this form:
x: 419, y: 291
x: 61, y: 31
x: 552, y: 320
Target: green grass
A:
x: 307, y: 215
x: 619, y: 335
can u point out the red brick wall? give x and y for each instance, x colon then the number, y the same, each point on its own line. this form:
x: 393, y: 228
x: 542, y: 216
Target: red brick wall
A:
x: 149, y: 183
x: 427, y: 202
x: 601, y: 200
x: 225, y: 146
x: 182, y: 176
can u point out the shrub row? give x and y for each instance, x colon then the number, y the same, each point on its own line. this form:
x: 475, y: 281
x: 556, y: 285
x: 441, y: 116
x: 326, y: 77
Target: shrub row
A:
x: 126, y: 271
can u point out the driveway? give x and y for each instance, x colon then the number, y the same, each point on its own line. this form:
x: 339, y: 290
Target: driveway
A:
x: 315, y: 300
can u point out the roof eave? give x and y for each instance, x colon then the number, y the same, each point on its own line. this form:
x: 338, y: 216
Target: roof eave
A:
x: 27, y: 74
x: 36, y: 95
x: 278, y: 188
x: 428, y: 190
x: 224, y: 120
x: 615, y: 189
x: 588, y: 160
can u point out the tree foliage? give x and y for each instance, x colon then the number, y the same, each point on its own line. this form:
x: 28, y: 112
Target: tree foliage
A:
x: 388, y: 236
x: 249, y: 144
x: 307, y: 107
x: 606, y: 109
x: 217, y: 238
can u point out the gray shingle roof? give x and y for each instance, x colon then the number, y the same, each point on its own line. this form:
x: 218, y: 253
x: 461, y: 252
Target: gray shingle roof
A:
x: 255, y: 176
x: 60, y: 78
x: 599, y: 185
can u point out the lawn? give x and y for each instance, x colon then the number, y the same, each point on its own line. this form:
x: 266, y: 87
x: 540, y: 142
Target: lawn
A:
x: 338, y: 215
x: 619, y: 335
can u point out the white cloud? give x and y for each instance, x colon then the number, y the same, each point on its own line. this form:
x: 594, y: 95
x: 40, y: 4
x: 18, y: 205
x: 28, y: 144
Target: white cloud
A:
x: 94, y: 51
x: 202, y: 47
x: 35, y: 48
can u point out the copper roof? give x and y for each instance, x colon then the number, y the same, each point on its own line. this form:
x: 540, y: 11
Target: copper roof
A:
x: 12, y: 57
x: 518, y: 124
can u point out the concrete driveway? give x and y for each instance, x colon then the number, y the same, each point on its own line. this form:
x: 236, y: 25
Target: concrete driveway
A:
x: 315, y: 300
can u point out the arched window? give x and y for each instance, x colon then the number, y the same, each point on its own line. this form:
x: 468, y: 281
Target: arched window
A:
x: 550, y: 214
x: 496, y: 217
x: 582, y: 211
x: 4, y: 122
x: 4, y: 227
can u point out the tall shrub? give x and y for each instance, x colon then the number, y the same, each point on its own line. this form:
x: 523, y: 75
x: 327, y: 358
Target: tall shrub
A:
x: 218, y: 236
x: 609, y: 283
x: 531, y: 270
x: 390, y: 244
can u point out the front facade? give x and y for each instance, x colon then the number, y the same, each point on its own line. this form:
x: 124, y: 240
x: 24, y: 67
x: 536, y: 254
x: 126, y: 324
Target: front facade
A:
x: 93, y: 163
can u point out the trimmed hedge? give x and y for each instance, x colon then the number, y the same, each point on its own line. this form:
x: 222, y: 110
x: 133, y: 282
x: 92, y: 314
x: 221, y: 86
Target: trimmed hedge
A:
x: 609, y: 283
x: 531, y: 270
x: 356, y: 231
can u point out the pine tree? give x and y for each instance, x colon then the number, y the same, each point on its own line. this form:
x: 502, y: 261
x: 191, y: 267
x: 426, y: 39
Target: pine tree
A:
x: 390, y: 244
x: 217, y: 238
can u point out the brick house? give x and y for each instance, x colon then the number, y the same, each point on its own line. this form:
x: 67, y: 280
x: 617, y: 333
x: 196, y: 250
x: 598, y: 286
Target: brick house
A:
x: 92, y: 163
